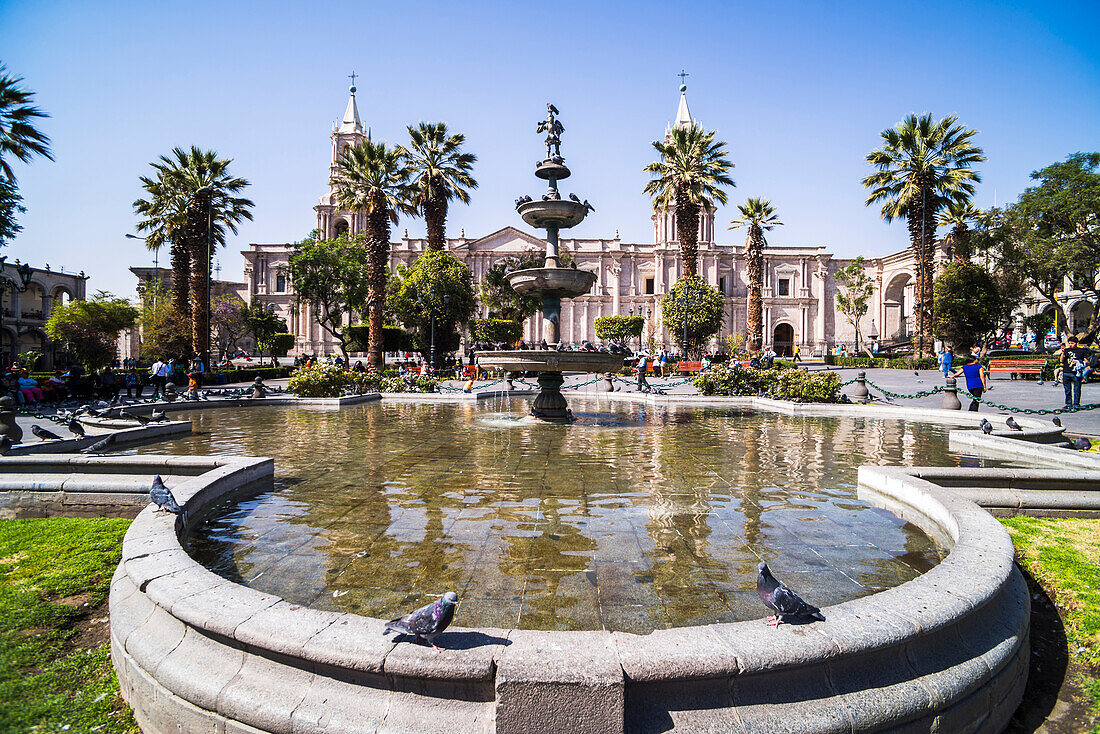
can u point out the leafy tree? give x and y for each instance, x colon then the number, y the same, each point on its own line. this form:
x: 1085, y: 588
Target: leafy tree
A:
x: 192, y: 201
x: 335, y: 278
x: 496, y: 331
x: 690, y: 175
x: 227, y: 320
x: 280, y: 344
x: 19, y: 138
x: 440, y: 172
x: 90, y: 328
x: 394, y: 338
x: 165, y: 333
x: 619, y: 328
x: 854, y: 292
x: 10, y: 208
x: 922, y: 165
x: 374, y: 179
x: 1040, y: 323
x: 436, y: 284
x: 701, y: 305
x: 498, y: 296
x: 264, y: 325
x: 968, y: 304
x: 759, y: 216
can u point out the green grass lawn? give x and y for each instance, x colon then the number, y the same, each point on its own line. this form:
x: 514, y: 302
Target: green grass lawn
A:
x: 1063, y: 555
x: 55, y: 667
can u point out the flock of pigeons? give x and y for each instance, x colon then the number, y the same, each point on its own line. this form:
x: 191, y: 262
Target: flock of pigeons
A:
x: 1081, y: 444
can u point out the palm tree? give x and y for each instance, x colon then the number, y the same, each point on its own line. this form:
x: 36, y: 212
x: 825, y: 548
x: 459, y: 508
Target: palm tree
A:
x: 440, y: 172
x: 922, y: 165
x: 18, y: 136
x: 691, y: 173
x: 759, y: 216
x: 192, y: 202
x: 959, y: 215
x: 374, y: 179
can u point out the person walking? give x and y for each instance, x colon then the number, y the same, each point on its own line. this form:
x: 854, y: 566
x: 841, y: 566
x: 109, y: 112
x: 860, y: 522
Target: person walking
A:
x: 947, y: 361
x: 797, y: 353
x: 1074, y: 361
x: 641, y: 367
x: 975, y: 379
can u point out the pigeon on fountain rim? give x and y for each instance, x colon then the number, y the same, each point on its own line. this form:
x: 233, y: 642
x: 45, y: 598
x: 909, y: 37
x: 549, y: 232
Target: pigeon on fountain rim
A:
x: 427, y: 621
x: 780, y: 599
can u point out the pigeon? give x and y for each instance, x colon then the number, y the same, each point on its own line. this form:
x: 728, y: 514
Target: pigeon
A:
x: 1011, y: 423
x: 1082, y: 444
x: 43, y: 434
x: 987, y: 427
x: 917, y: 373
x: 5, y: 444
x: 157, y: 416
x: 427, y: 621
x: 781, y: 600
x: 131, y: 417
x: 74, y: 426
x: 1056, y: 421
x: 100, y: 446
x: 163, y: 498
x: 574, y: 197
x: 588, y: 206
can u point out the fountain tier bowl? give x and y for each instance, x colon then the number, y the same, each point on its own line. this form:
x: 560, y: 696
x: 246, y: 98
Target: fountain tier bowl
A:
x: 545, y: 361
x: 552, y: 282
x: 543, y: 214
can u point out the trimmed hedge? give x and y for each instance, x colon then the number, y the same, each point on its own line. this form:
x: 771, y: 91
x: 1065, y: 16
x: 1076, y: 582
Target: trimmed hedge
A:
x: 496, y: 331
x: 903, y: 363
x: 797, y: 385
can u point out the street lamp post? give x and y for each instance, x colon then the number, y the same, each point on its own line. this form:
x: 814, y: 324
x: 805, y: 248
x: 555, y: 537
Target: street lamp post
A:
x: 689, y: 300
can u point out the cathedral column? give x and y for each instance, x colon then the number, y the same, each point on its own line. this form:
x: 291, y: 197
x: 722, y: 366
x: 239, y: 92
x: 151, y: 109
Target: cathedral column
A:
x: 822, y: 275
x: 616, y: 281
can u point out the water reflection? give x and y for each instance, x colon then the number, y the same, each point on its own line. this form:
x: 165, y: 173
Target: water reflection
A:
x: 636, y: 518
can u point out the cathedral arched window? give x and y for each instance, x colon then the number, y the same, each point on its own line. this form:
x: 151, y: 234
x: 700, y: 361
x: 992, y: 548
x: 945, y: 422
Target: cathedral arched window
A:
x: 280, y: 283
x: 341, y: 227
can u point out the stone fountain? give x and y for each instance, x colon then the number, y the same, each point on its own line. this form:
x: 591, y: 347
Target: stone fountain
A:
x: 551, y: 283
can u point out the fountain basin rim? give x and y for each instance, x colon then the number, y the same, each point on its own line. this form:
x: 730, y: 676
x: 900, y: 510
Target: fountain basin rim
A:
x: 560, y: 213
x: 543, y: 360
x: 553, y: 282
x: 976, y: 593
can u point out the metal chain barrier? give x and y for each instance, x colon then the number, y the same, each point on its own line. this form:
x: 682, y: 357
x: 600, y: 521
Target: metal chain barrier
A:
x: 884, y: 391
x: 1030, y: 411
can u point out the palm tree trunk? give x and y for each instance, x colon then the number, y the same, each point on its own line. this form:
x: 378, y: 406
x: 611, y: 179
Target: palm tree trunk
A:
x: 435, y: 218
x: 922, y: 231
x: 960, y: 249
x: 378, y: 260
x: 181, y: 278
x: 687, y: 231
x: 755, y: 257
x: 200, y: 269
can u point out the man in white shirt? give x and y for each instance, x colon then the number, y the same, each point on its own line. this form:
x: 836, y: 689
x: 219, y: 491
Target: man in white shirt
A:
x: 159, y: 377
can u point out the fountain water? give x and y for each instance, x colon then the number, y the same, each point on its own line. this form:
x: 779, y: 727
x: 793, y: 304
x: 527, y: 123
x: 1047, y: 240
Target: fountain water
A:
x: 552, y: 283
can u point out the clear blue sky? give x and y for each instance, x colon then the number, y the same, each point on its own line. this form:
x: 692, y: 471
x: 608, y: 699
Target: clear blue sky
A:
x: 799, y: 92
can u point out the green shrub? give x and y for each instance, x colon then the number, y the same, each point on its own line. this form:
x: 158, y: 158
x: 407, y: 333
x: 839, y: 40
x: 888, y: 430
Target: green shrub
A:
x: 781, y: 384
x: 394, y: 338
x: 322, y: 380
x: 619, y: 328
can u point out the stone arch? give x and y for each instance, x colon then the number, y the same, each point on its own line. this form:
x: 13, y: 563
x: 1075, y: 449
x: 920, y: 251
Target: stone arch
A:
x: 340, y: 226
x: 783, y: 338
x: 897, y: 306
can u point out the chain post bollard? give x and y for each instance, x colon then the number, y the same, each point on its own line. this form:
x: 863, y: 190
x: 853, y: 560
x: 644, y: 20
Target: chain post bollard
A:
x: 170, y: 393
x: 8, y: 426
x: 608, y: 386
x: 259, y: 389
x: 859, y: 392
x: 951, y: 396
x: 508, y: 377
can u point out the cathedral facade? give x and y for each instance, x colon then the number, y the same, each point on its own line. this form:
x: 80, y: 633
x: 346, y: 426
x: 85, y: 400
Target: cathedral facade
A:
x: 799, y: 290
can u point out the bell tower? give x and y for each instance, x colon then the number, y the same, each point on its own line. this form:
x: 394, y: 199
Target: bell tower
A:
x: 331, y: 219
x: 664, y: 220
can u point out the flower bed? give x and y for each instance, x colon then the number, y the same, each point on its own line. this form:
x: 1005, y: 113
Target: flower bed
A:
x: 326, y: 380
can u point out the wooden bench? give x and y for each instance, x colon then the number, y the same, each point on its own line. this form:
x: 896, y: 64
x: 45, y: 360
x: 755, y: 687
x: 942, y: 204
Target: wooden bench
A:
x: 688, y: 368
x: 469, y: 371
x: 1017, y: 366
